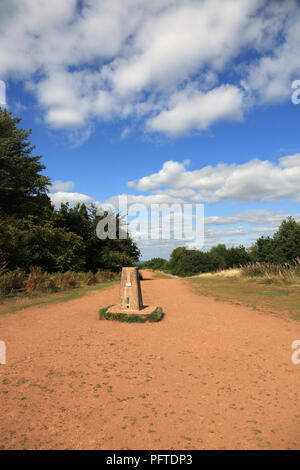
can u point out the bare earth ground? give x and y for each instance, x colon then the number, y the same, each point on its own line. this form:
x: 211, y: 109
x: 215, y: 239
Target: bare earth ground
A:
x: 210, y: 375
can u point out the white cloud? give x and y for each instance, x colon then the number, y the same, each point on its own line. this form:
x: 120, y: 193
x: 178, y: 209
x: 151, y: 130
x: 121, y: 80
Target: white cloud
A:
x: 146, y: 201
x: 60, y: 193
x: 256, y: 180
x: 253, y: 217
x: 73, y: 198
x: 197, y: 110
x: 167, y: 176
x: 272, y: 75
x: 174, y: 44
x: 163, y: 61
x: 59, y: 185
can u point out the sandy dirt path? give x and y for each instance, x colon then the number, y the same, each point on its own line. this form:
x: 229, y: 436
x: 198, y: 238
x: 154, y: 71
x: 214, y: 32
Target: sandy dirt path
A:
x: 209, y: 376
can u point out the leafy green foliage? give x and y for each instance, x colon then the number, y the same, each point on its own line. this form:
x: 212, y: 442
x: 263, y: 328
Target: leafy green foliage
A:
x: 184, y: 262
x: 109, y: 253
x: 23, y: 190
x: 24, y: 244
x: 284, y: 247
x: 155, y: 264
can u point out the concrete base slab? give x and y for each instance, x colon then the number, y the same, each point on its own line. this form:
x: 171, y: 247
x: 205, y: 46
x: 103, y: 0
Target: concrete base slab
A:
x: 146, y: 310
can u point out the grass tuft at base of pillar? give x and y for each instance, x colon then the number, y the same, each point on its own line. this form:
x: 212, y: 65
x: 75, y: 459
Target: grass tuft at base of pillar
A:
x: 155, y: 316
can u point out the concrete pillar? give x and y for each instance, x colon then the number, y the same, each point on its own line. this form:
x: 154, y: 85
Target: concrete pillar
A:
x: 130, y: 290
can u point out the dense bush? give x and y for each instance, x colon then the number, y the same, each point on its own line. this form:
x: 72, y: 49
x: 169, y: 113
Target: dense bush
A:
x: 37, y: 280
x: 24, y: 243
x: 12, y: 281
x: 283, y: 247
x: 184, y: 262
x: 155, y: 264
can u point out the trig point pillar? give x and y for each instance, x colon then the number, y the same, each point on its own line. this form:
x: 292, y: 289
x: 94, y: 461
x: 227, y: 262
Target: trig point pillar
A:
x: 130, y: 290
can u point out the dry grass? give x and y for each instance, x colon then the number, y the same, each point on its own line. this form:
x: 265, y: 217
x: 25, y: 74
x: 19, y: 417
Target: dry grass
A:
x: 234, y: 272
x: 271, y: 273
x: 286, y: 273
x: 257, y: 293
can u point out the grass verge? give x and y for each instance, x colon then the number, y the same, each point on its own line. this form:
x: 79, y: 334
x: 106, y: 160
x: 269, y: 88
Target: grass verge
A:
x: 161, y: 275
x: 255, y: 293
x: 15, y: 304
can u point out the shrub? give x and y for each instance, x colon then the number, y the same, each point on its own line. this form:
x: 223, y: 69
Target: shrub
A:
x: 156, y: 315
x: 40, y: 281
x: 106, y: 275
x: 12, y: 281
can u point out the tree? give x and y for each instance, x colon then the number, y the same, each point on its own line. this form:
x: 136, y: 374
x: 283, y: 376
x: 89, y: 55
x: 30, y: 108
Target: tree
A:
x: 237, y: 256
x: 23, y: 243
x: 286, y: 241
x: 105, y: 254
x: 184, y: 262
x: 283, y: 247
x: 218, y: 255
x: 23, y: 190
x: 263, y: 249
x: 155, y: 264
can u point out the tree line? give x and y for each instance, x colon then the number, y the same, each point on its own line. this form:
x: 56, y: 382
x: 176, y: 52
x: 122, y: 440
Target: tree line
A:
x: 283, y: 247
x: 35, y: 233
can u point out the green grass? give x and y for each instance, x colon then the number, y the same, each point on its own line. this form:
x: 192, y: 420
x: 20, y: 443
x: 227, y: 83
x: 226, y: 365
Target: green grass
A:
x: 20, y: 303
x: 273, y: 292
x: 278, y: 300
x: 155, y: 316
x: 162, y: 276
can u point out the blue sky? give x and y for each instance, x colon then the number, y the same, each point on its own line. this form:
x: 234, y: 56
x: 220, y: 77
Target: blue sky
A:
x: 174, y: 101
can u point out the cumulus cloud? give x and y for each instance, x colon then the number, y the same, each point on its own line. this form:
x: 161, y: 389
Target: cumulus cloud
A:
x: 271, y: 76
x: 72, y: 198
x: 162, y: 62
x: 260, y: 217
x: 129, y: 199
x: 59, y: 185
x: 172, y: 45
x: 256, y: 180
x: 197, y: 110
